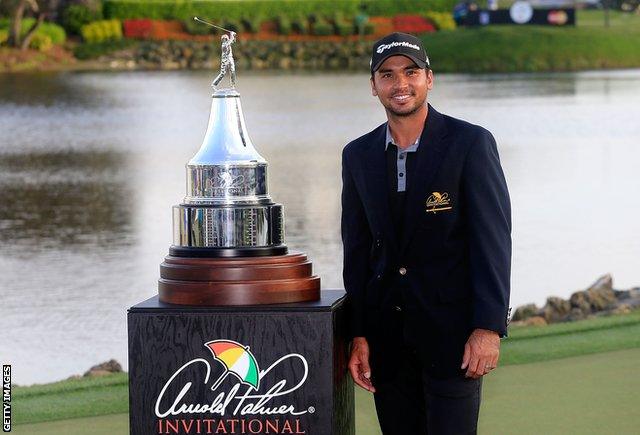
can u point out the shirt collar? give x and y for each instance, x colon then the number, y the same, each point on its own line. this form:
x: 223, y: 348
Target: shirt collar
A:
x: 389, y: 140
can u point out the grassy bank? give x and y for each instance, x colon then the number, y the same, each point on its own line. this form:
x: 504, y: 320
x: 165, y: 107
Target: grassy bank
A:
x: 71, y: 399
x: 589, y: 45
x: 562, y: 340
x: 492, y: 49
x: 109, y: 395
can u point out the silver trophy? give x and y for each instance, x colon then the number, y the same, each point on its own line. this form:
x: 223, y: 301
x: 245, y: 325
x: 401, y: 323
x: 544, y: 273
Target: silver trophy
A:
x: 227, y: 211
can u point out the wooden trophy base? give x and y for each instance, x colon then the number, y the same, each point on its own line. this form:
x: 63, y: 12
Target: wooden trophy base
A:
x: 238, y: 281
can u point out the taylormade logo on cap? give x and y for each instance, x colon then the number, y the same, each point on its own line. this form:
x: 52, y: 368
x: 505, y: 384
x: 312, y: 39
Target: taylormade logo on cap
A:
x: 384, y: 47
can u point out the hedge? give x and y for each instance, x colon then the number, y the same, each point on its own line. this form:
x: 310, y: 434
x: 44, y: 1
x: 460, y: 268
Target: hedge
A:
x: 300, y: 24
x: 92, y: 50
x: 76, y: 15
x: 239, y: 9
x: 284, y: 25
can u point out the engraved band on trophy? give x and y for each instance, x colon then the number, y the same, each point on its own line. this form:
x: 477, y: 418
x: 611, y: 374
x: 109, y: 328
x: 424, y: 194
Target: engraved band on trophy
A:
x: 228, y: 235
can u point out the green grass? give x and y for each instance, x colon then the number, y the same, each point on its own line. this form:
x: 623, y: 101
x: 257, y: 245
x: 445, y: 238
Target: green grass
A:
x: 603, y: 322
x: 513, y: 48
x: 73, y: 399
x: 616, y: 19
x: 536, y: 48
x: 101, y: 425
x: 566, y: 345
x: 592, y: 394
x: 603, y: 334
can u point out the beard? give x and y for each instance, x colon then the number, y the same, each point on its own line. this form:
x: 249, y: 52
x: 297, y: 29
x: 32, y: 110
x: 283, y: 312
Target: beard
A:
x: 405, y: 111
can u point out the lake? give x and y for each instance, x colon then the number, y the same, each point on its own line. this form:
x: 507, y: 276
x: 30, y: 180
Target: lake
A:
x: 91, y: 163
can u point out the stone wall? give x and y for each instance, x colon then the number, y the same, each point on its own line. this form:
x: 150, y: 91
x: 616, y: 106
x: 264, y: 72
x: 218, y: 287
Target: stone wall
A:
x: 249, y: 55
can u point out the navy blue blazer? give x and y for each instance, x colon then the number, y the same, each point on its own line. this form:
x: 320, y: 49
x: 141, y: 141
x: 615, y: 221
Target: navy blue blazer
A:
x: 450, y: 273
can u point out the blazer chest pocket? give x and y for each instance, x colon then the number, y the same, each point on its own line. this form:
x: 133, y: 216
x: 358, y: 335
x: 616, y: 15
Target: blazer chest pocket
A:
x: 437, y: 210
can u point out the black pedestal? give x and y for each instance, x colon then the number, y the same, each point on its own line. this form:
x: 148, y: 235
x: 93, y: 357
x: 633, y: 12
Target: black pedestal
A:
x: 265, y: 369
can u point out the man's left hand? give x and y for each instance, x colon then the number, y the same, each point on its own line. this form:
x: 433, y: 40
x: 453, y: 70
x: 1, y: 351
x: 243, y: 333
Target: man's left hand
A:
x: 481, y: 353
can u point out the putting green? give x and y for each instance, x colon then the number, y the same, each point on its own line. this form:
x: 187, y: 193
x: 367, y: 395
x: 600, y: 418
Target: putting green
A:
x: 102, y: 425
x: 591, y: 394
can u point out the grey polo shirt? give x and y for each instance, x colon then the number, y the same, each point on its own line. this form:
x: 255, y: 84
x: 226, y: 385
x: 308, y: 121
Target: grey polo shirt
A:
x: 402, y: 156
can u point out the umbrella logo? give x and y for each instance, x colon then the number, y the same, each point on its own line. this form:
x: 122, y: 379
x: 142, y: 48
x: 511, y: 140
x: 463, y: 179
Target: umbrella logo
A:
x: 438, y: 201
x: 237, y: 361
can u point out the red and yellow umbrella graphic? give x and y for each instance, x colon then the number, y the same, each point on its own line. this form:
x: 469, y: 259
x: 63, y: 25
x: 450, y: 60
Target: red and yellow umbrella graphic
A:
x: 237, y: 360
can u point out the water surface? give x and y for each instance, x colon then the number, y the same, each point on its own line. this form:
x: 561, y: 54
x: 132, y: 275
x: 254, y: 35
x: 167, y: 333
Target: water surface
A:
x: 91, y: 163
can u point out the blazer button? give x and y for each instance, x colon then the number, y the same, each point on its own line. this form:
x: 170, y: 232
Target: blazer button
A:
x: 379, y: 276
x: 397, y: 308
x: 402, y: 271
x: 378, y: 243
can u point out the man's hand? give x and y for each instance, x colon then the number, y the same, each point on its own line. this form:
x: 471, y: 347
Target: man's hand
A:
x: 359, y: 364
x: 481, y: 353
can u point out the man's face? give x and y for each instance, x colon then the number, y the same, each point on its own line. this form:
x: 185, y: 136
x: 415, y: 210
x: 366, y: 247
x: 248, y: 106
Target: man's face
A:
x: 401, y: 86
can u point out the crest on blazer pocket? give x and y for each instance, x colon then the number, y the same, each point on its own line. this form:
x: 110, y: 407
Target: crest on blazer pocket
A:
x: 438, y: 201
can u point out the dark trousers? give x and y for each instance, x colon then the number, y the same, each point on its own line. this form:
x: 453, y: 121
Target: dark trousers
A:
x: 415, y: 403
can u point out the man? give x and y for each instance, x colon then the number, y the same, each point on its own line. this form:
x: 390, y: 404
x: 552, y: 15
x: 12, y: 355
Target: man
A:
x: 426, y: 225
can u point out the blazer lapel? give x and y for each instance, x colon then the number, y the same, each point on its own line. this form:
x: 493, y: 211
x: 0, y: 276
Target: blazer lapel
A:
x: 377, y: 182
x: 429, y: 156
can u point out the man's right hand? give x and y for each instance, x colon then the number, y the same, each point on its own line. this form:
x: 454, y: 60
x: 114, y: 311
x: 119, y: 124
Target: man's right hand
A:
x: 359, y: 364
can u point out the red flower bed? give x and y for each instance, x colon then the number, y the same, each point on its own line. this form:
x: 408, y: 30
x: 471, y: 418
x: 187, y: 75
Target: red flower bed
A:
x: 168, y: 30
x: 142, y: 28
x: 412, y: 24
x: 157, y: 30
x: 383, y: 25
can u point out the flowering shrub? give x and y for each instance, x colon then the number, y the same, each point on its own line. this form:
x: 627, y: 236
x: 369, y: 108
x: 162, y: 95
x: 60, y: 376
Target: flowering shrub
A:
x: 139, y: 28
x: 104, y: 30
x: 412, y: 24
x: 442, y: 20
x: 41, y: 42
x: 162, y: 30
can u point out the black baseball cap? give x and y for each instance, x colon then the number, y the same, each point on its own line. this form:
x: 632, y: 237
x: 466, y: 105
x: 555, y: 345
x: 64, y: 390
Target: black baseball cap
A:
x: 398, y: 44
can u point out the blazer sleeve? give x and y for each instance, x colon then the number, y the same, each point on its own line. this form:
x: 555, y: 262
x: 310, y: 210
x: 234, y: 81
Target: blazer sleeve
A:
x: 356, y: 241
x: 489, y: 225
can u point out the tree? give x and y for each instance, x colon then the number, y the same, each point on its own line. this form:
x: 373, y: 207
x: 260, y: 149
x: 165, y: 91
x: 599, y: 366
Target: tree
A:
x: 18, y: 9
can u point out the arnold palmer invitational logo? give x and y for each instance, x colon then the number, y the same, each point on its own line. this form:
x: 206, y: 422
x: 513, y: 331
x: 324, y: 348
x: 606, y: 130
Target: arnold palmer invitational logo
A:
x: 244, y: 406
x: 438, y: 202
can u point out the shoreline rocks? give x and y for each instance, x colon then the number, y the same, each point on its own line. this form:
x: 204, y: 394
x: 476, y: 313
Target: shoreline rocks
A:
x: 103, y: 369
x: 598, y: 299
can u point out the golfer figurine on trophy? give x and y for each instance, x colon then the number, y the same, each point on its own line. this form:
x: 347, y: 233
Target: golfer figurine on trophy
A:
x: 226, y: 63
